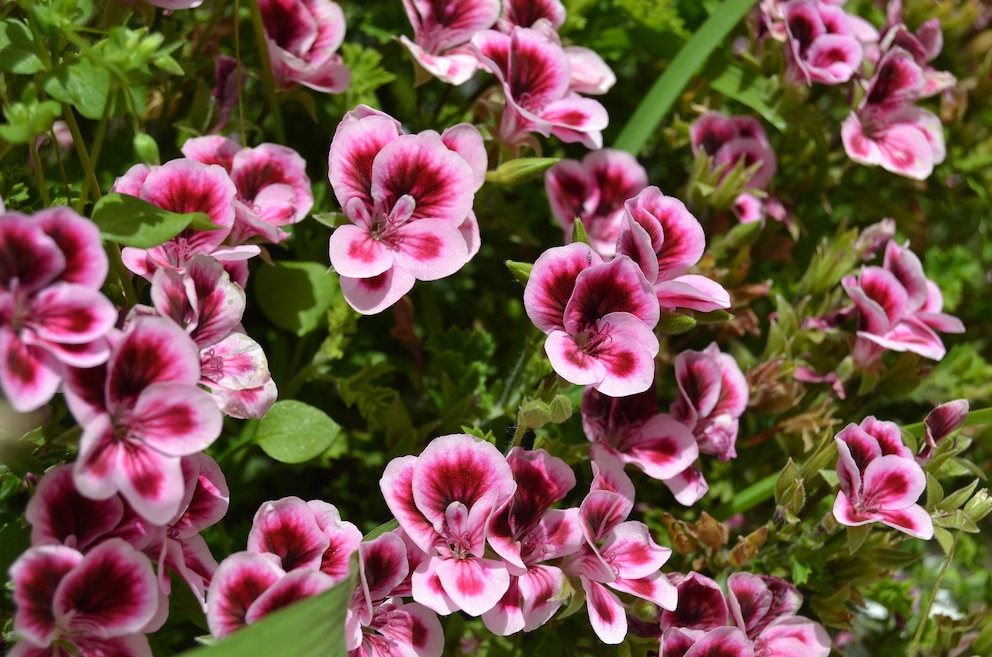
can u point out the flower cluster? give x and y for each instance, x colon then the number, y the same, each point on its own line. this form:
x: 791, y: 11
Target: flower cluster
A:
x: 409, y: 200
x: 600, y: 316
x: 758, y: 616
x: 208, y: 305
x: 84, y: 547
x: 540, y: 80
x: 898, y: 308
x: 296, y: 549
x: 713, y: 394
x: 246, y: 192
x: 52, y: 315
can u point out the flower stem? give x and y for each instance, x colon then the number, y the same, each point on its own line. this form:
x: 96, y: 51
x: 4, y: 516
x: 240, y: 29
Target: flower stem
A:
x: 267, y: 77
x: 925, y: 612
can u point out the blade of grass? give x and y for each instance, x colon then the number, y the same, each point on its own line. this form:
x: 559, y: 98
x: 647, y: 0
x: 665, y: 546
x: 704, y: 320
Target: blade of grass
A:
x: 689, y: 60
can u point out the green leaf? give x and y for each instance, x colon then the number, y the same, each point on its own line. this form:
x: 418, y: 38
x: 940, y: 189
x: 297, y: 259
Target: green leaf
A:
x: 313, y: 627
x: 294, y: 432
x: 745, y: 86
x: 667, y: 88
x: 130, y: 221
x: 856, y: 537
x: 25, y: 121
x: 675, y: 323
x: 381, y: 529
x: 296, y: 295
x: 18, y: 53
x: 80, y: 83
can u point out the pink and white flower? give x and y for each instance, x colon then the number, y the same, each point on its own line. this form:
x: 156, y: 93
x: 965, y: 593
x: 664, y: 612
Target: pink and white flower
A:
x: 632, y: 429
x: 441, y: 33
x: 898, y: 308
x: 307, y: 535
x: 940, y: 423
x: 619, y: 554
x: 273, y: 189
x: 887, y: 129
x: 52, y: 314
x: 536, y: 76
x: 303, y: 37
x: 599, y: 318
x: 233, y: 367
x: 61, y: 598
x: 379, y: 624
x: 822, y: 45
x: 525, y: 13
x: 183, y: 186
x: 713, y: 394
x: 880, y: 481
x: 594, y: 190
x: 409, y: 198
x: 444, y: 500
x: 141, y: 413
x: 528, y: 533
x: 660, y: 234
x: 248, y: 586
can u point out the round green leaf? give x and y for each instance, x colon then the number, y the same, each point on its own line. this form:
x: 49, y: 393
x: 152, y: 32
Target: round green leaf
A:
x: 294, y: 432
x: 296, y: 295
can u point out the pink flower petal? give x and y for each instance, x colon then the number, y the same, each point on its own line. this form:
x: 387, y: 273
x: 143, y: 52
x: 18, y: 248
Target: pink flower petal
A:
x: 633, y: 552
x: 722, y: 642
x: 59, y: 514
x: 573, y: 364
x: 79, y: 241
x: 153, y: 350
x: 27, y: 255
x: 370, y: 296
x: 440, y: 181
x: 475, y: 585
x: 355, y: 253
x: 701, y: 605
x: 37, y: 574
x: 681, y: 242
x: 793, y: 636
x: 460, y: 468
x: 552, y: 281
x: 357, y: 141
x: 29, y: 376
x: 615, y: 287
x: 606, y: 613
x: 239, y: 581
x: 288, y: 529
x: 176, y: 419
x: 430, y: 249
x: 292, y: 587
x: 662, y: 448
x: 397, y: 488
x: 590, y: 74
x: 111, y: 592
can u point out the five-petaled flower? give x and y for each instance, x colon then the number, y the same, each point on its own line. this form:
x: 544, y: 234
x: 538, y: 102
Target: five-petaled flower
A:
x: 880, y: 481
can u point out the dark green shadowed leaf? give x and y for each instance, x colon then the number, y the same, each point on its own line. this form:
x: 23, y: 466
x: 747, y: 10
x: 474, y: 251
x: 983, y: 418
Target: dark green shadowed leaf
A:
x: 296, y: 295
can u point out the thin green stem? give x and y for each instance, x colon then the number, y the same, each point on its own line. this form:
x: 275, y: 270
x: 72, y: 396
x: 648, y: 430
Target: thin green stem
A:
x: 84, y: 158
x: 267, y: 78
x: 123, y: 275
x: 39, y: 174
x: 925, y: 612
x: 238, y: 72
x: 62, y: 174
